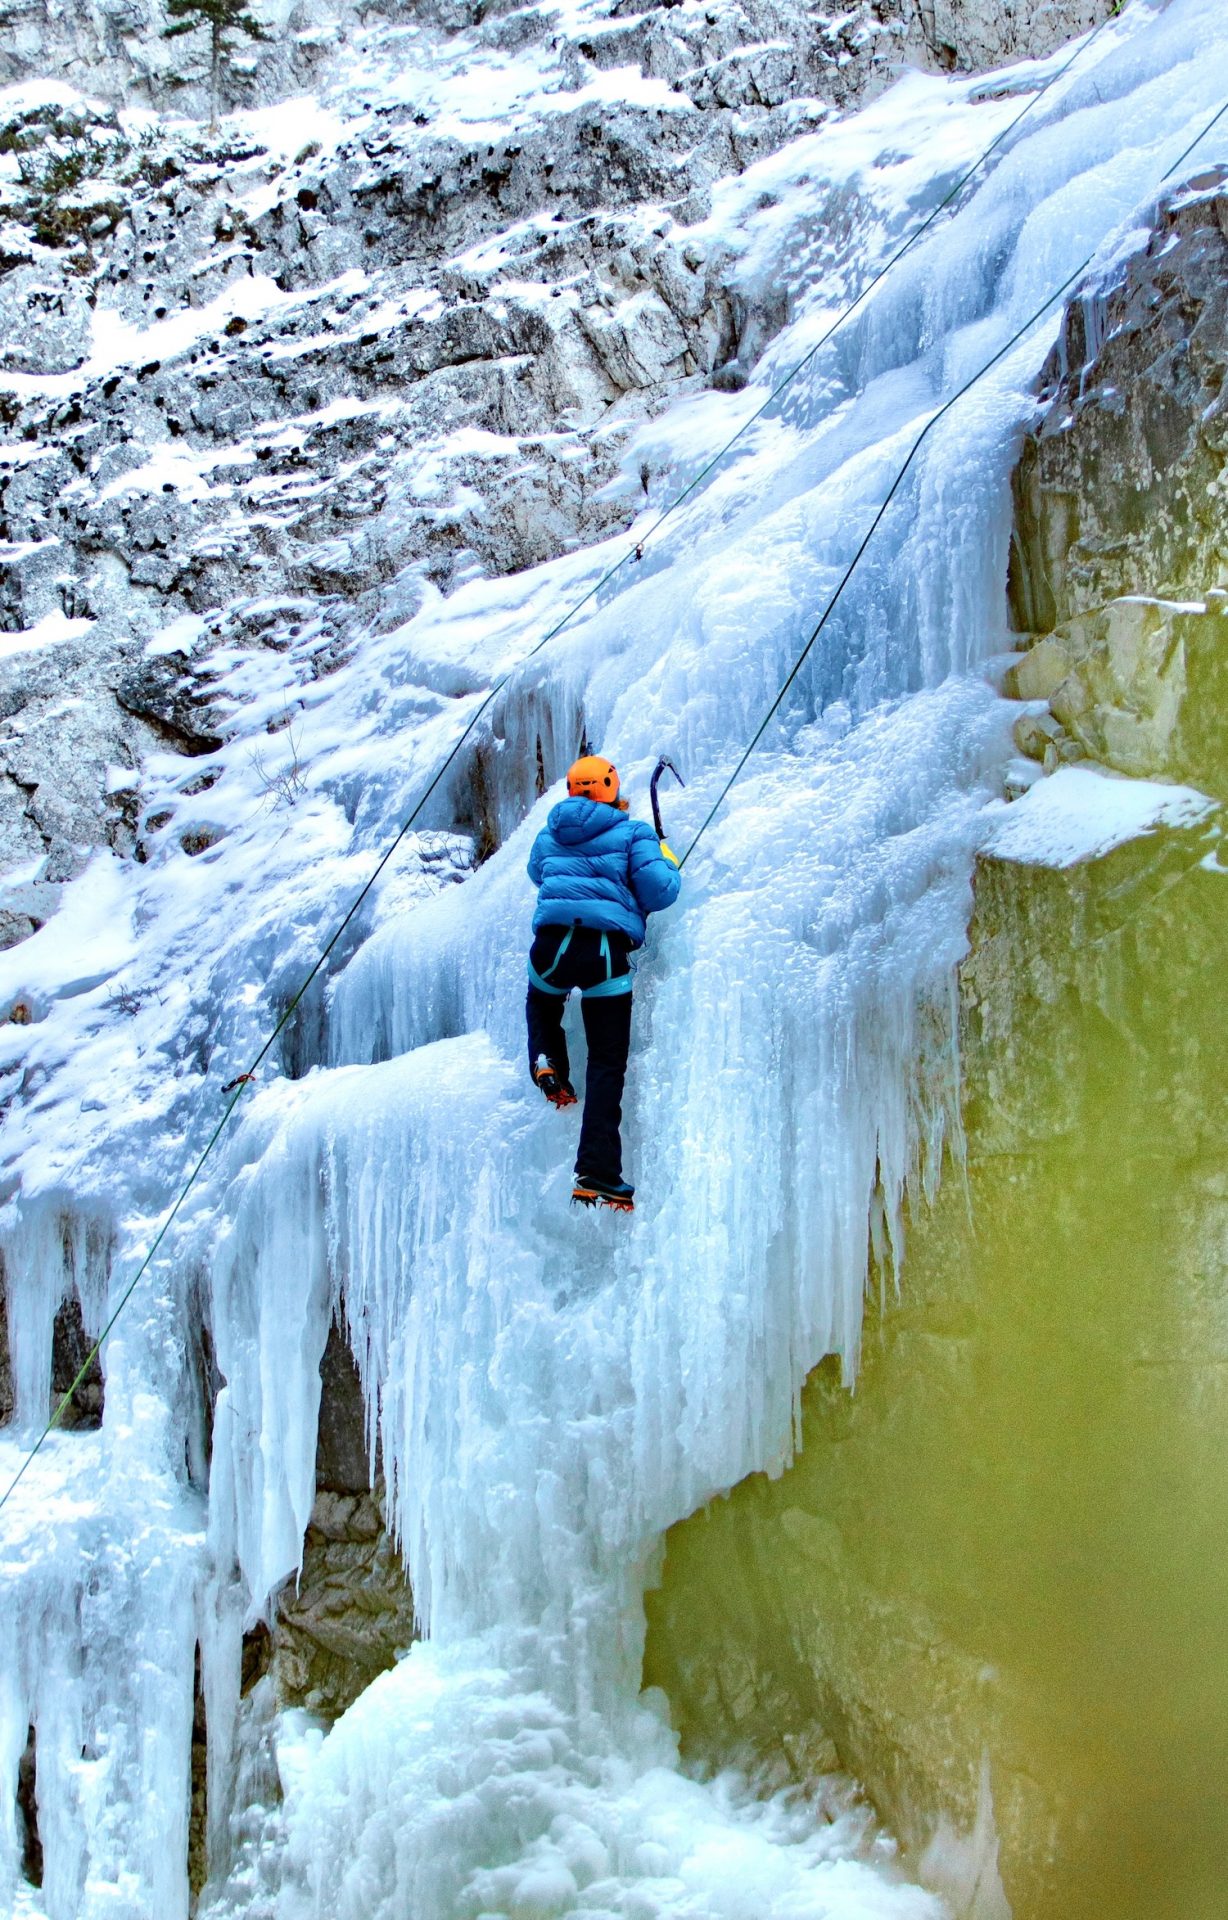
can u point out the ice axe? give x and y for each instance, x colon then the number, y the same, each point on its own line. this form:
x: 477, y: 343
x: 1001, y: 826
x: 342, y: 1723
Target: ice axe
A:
x: 664, y: 765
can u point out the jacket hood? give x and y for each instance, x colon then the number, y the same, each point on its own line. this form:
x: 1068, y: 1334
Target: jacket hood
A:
x: 576, y: 819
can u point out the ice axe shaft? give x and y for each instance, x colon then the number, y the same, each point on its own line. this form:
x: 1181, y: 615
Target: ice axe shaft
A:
x: 664, y: 765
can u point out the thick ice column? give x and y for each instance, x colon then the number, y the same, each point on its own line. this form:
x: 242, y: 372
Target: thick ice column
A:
x: 272, y: 1297
x: 97, y: 1631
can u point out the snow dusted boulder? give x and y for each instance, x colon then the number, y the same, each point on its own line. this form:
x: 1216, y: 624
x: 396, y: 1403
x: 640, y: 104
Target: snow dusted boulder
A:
x: 638, y: 343
x: 974, y: 33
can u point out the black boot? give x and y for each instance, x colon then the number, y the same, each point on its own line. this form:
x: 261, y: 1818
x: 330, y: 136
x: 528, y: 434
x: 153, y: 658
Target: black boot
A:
x: 556, y: 1087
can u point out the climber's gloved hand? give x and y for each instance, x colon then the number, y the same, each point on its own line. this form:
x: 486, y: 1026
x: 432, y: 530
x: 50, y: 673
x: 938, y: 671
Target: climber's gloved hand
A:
x: 669, y: 853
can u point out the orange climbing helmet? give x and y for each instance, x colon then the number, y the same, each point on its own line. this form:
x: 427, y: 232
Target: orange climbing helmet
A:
x: 593, y: 778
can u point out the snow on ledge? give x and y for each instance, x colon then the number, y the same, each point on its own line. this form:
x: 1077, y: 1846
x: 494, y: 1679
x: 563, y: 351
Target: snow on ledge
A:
x: 1079, y: 813
x: 48, y: 632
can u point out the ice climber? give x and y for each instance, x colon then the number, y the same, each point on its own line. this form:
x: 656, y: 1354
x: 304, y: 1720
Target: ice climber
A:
x: 599, y: 875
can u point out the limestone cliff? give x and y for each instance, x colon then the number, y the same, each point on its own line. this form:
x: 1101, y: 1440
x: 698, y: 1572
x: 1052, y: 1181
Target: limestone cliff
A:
x: 121, y: 43
x: 993, y: 1576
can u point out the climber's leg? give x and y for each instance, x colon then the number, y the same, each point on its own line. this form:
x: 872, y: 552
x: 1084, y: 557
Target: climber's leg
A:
x: 548, y: 1061
x: 607, y: 1028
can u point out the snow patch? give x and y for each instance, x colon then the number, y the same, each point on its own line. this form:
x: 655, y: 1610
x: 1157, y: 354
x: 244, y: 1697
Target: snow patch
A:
x: 50, y: 631
x: 1081, y: 813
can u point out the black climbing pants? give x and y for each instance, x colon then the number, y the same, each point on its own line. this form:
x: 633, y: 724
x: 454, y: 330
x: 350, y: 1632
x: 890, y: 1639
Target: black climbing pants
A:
x: 563, y: 958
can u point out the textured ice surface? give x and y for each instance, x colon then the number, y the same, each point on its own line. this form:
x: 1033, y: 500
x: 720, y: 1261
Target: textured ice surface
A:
x: 551, y: 1391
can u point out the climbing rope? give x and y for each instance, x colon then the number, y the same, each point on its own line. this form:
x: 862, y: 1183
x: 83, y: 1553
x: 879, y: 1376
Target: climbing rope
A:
x: 235, y: 1088
x: 919, y: 233
x: 851, y: 568
x: 894, y: 488
x: 1195, y: 142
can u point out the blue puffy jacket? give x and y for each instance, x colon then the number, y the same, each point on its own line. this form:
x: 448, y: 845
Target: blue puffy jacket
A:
x: 592, y: 864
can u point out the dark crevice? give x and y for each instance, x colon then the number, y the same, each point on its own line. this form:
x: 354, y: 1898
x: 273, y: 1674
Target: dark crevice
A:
x: 6, y: 1364
x: 257, y: 1657
x: 303, y: 1041
x: 204, y: 1384
x: 198, y: 1815
x: 27, y: 1814
x: 304, y: 1038
x: 342, y: 1464
x: 526, y: 746
x: 183, y: 740
x: 483, y: 818
x: 70, y: 1346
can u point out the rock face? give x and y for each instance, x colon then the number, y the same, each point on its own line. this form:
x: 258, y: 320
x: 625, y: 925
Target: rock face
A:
x: 70, y: 763
x: 350, y: 1613
x: 1120, y: 558
x: 969, y: 34
x: 1120, y: 488
x: 120, y: 43
x: 991, y: 1576
x: 1137, y: 685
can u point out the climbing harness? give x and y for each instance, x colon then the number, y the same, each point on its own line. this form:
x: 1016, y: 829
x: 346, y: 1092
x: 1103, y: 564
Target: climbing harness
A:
x: 614, y: 983
x: 243, y: 1080
x: 542, y: 980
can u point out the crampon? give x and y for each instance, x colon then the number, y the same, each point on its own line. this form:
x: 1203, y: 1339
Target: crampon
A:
x: 559, y: 1092
x: 615, y: 1194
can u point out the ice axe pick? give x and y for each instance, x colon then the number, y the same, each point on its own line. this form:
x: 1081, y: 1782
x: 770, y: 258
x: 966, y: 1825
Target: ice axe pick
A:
x: 664, y: 765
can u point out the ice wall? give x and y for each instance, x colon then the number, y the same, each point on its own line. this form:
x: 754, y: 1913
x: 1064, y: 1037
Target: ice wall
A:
x: 551, y: 1392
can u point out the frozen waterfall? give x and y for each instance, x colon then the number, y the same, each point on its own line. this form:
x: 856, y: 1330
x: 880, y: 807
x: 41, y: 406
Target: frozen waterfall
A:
x: 551, y: 1390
